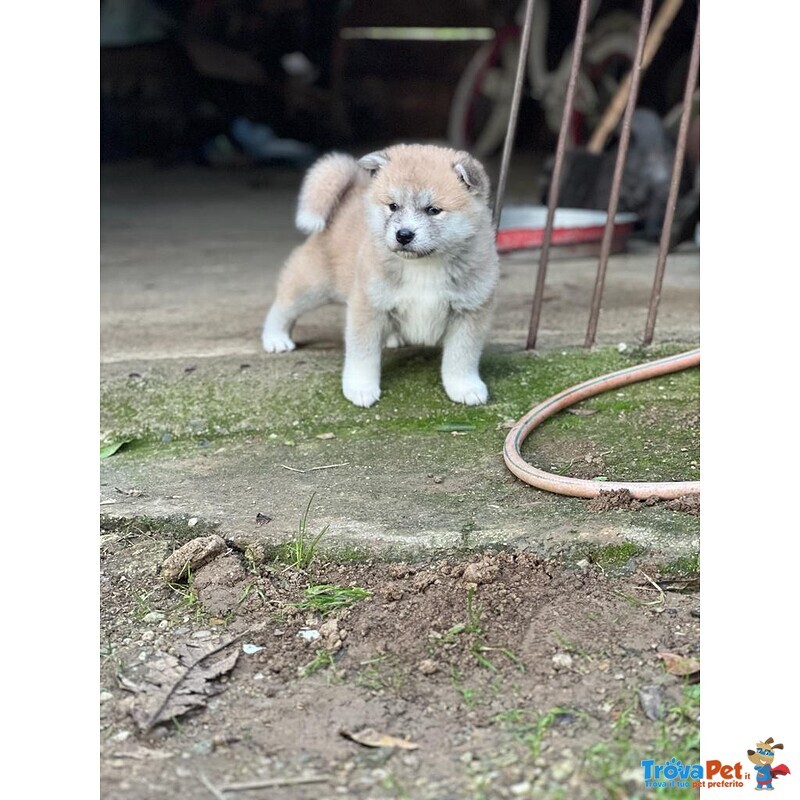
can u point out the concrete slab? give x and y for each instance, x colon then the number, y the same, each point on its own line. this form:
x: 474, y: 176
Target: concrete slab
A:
x: 190, y: 257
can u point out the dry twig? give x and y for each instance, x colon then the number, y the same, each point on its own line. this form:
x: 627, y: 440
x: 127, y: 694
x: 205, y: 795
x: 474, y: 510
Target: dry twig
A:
x: 270, y: 783
x: 313, y: 469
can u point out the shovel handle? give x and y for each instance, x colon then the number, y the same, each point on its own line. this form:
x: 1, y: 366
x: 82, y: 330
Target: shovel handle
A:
x: 663, y: 19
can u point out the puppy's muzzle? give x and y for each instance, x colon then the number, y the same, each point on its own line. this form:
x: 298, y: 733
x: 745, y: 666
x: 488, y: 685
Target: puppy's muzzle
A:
x: 404, y: 236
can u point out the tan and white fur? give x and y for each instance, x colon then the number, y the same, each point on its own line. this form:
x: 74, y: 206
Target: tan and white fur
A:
x: 404, y: 237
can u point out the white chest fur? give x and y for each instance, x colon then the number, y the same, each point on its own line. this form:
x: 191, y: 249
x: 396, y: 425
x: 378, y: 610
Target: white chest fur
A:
x: 420, y: 304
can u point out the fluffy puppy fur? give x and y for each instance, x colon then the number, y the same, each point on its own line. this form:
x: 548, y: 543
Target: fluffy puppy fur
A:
x: 404, y: 237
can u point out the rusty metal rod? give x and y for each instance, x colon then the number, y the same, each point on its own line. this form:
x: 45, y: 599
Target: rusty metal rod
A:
x: 619, y: 166
x: 555, y: 180
x: 511, y: 129
x: 674, y: 186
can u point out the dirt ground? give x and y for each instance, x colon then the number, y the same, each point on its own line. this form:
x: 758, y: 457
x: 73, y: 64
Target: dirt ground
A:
x: 502, y: 675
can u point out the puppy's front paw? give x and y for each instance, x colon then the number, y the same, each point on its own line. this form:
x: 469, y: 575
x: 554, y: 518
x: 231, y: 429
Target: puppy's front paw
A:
x: 361, y: 395
x: 277, y: 342
x: 470, y: 391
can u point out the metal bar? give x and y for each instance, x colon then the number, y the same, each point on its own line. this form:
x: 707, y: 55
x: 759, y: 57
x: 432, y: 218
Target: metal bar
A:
x: 672, y: 200
x: 555, y: 181
x: 622, y: 152
x: 508, y: 145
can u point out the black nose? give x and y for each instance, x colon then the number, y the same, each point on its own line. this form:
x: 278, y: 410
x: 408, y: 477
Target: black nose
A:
x: 404, y: 235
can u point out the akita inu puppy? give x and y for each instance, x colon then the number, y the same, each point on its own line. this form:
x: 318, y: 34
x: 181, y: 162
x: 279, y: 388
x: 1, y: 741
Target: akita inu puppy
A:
x: 404, y: 237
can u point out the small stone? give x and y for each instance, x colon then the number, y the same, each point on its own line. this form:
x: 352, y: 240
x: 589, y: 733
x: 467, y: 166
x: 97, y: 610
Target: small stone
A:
x: 153, y: 616
x: 163, y: 625
x: 651, y: 699
x: 562, y: 770
x: 392, y: 592
x: 202, y: 635
x: 422, y: 580
x: 148, y: 636
x: 479, y: 572
x: 520, y: 789
x: 329, y: 628
x: 120, y: 736
x: 106, y: 696
x: 562, y: 660
x: 191, y: 556
x: 427, y: 666
x: 438, y: 479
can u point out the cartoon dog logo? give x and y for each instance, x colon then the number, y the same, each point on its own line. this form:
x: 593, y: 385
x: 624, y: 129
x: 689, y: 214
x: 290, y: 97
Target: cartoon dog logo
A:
x: 762, y: 757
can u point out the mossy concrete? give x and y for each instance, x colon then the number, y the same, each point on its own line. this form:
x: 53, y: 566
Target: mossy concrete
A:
x: 413, y: 474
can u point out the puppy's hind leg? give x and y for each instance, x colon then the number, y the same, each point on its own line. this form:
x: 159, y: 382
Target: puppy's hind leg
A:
x: 303, y: 286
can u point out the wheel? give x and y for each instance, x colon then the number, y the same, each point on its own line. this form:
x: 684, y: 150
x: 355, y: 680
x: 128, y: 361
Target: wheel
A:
x: 608, y: 53
x: 482, y: 100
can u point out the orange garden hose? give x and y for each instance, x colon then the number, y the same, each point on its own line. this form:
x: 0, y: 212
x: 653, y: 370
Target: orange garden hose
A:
x: 577, y: 487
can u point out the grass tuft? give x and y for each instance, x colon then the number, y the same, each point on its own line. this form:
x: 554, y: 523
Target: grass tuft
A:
x: 327, y: 597
x: 302, y: 550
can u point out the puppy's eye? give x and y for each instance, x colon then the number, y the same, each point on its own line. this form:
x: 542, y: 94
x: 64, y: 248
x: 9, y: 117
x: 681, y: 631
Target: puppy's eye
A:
x: 393, y: 207
x: 432, y: 211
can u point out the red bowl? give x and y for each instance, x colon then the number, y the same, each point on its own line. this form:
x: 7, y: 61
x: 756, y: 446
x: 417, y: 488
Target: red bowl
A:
x: 522, y: 228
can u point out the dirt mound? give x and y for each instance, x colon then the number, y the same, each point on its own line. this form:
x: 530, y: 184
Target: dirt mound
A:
x: 623, y: 499
x: 512, y: 676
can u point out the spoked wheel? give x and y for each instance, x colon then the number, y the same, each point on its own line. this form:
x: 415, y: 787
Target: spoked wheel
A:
x: 608, y: 55
x: 482, y: 100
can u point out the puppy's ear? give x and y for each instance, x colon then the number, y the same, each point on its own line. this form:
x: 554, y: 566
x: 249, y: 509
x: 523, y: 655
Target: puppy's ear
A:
x: 472, y: 173
x: 374, y: 161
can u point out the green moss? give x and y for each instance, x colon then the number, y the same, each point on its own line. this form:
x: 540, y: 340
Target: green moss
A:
x: 685, y: 566
x: 345, y: 555
x: 174, y: 527
x: 615, y: 556
x: 166, y: 411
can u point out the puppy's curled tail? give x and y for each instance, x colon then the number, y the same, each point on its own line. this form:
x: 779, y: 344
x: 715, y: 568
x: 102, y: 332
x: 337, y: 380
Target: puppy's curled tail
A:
x: 323, y: 187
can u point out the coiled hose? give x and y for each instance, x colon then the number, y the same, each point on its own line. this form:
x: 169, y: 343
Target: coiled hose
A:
x: 576, y: 487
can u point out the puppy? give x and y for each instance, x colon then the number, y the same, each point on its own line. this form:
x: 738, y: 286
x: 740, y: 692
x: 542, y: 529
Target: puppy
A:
x: 404, y: 237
